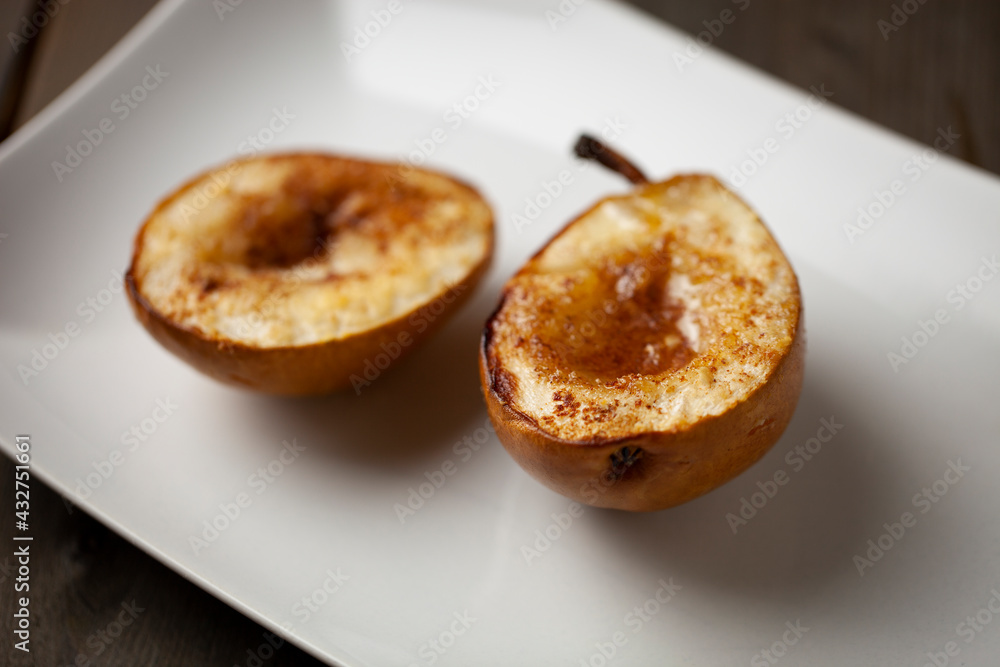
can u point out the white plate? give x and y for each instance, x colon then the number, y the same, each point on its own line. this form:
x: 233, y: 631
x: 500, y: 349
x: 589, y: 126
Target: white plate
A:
x: 332, y: 508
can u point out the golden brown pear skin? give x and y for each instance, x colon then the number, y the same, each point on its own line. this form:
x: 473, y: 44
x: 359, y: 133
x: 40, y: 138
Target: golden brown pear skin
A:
x: 604, y: 416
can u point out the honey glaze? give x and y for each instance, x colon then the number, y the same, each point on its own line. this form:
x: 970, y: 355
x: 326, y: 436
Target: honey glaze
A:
x: 616, y: 321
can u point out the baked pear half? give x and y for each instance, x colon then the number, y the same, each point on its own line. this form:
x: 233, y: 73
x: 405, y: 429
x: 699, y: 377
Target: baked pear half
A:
x: 651, y: 351
x: 305, y: 273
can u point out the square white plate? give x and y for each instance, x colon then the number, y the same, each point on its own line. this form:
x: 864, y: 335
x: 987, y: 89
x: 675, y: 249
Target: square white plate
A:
x: 803, y: 558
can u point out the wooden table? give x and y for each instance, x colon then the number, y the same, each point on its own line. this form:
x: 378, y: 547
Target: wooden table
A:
x: 940, y: 68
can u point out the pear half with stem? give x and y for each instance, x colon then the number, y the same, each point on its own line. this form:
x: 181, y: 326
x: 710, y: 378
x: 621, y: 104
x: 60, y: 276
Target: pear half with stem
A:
x: 303, y: 273
x: 651, y: 351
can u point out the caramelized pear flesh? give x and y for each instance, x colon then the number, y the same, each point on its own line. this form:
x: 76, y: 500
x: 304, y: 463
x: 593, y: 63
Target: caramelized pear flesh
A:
x: 650, y: 352
x: 293, y: 273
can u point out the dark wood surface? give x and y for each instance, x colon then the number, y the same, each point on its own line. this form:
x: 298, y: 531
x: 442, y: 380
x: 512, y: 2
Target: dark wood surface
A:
x: 941, y: 68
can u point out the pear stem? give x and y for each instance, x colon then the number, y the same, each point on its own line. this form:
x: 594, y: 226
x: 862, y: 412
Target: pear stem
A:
x: 590, y: 148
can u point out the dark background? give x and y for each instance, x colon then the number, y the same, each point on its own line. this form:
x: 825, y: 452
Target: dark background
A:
x: 941, y: 68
